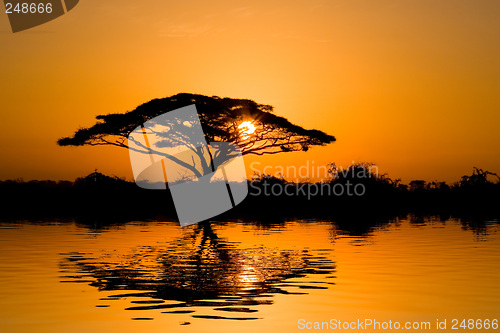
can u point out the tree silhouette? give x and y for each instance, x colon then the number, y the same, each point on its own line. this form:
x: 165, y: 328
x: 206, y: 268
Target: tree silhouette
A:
x: 252, y: 126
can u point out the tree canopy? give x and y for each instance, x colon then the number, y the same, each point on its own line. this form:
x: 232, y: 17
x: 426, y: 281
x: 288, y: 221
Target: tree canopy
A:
x: 253, y: 127
x: 221, y: 120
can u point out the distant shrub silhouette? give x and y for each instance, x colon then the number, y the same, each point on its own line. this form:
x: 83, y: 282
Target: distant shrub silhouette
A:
x: 479, y: 178
x: 97, y: 179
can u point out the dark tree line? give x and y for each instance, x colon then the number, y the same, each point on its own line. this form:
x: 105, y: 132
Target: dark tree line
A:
x: 97, y: 195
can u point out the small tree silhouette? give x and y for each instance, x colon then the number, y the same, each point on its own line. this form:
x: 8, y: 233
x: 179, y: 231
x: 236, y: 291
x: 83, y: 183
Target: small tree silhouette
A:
x: 252, y: 126
x: 479, y: 177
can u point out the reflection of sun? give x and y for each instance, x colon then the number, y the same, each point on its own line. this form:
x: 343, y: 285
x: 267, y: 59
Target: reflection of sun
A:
x: 248, y: 276
x: 246, y: 128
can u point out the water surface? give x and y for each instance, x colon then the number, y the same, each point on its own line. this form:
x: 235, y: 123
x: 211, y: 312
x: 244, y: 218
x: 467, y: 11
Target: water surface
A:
x: 221, y: 277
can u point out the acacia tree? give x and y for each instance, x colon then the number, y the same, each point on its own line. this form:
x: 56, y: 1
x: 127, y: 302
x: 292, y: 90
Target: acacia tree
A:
x: 252, y: 126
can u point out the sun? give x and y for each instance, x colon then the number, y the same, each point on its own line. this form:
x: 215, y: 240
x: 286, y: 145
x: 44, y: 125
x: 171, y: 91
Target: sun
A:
x: 246, y: 128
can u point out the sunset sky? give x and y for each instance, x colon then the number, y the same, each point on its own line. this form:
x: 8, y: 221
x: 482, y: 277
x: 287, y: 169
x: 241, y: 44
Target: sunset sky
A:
x: 412, y: 86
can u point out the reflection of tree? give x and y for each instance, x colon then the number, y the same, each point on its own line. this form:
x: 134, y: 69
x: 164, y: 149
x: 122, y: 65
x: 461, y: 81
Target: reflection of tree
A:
x: 201, y: 266
x: 479, y: 225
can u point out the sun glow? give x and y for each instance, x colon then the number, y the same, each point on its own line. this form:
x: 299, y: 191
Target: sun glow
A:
x: 246, y: 128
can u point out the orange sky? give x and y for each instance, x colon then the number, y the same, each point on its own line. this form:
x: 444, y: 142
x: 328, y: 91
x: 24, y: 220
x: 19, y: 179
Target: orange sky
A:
x: 413, y: 86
